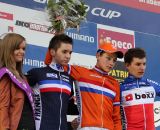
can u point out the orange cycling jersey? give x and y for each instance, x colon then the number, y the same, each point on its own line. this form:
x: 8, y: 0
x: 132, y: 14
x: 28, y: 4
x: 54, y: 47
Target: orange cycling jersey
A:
x: 99, y: 98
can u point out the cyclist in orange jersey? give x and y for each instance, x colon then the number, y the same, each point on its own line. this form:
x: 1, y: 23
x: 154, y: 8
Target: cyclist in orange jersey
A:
x: 98, y: 93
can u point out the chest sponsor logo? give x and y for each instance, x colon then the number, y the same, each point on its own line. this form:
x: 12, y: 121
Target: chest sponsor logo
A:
x: 144, y: 96
x: 52, y: 75
x: 129, y: 97
x: 138, y: 96
x: 65, y: 78
x: 96, y: 76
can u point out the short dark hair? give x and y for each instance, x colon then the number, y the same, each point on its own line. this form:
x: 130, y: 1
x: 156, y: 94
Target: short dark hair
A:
x: 55, y: 42
x: 134, y: 53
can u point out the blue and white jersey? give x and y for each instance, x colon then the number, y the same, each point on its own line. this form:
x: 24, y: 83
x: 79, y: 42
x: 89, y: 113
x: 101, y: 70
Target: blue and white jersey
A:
x: 52, y: 88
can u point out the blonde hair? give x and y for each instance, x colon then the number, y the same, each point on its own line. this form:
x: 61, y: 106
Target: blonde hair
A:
x: 9, y: 44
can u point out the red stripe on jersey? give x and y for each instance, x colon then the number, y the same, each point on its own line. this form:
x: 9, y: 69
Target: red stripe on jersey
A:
x: 54, y: 90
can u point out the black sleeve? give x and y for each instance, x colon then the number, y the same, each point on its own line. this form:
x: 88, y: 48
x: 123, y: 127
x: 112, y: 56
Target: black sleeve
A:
x: 31, y: 77
x: 72, y: 107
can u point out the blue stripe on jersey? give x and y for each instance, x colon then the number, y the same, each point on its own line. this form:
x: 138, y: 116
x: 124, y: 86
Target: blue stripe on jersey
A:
x: 116, y: 103
x: 54, y: 82
x: 96, y: 91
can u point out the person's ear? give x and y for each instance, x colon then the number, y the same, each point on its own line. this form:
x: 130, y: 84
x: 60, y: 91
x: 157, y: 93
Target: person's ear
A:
x: 127, y: 65
x: 52, y: 52
x: 97, y: 55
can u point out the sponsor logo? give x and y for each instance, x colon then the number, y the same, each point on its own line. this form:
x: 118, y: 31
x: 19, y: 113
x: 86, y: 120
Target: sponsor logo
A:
x: 65, y: 78
x: 129, y: 97
x: 144, y: 95
x: 138, y: 96
x: 97, y: 76
x: 154, y: 82
x: 52, y: 75
x: 37, y: 101
x: 105, y: 13
x: 151, y: 2
x: 33, y: 26
x: 157, y: 113
x: 7, y: 16
x: 32, y: 62
x: 147, y: 5
x: 80, y: 37
x: 119, y: 44
x: 120, y: 40
x: 157, y: 110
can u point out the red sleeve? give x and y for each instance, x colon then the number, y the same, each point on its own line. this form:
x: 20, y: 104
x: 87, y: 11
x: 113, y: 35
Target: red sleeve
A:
x: 116, y: 109
x: 4, y: 103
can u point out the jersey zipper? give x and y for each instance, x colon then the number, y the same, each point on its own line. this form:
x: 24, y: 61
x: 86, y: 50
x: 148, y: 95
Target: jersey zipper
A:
x: 102, y: 102
x: 143, y: 108
x: 60, y: 120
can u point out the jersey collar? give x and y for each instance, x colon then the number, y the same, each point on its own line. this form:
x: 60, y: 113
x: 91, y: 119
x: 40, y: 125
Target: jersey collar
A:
x: 132, y: 78
x: 100, y: 71
x: 56, y: 66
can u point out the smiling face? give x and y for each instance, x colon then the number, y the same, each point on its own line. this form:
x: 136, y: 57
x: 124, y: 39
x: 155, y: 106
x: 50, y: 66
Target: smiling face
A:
x: 19, y: 52
x: 63, y: 54
x: 137, y: 67
x: 106, y: 61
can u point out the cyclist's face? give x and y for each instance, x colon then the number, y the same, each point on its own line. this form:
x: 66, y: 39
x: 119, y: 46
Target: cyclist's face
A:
x: 137, y: 67
x: 63, y: 54
x: 106, y: 61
